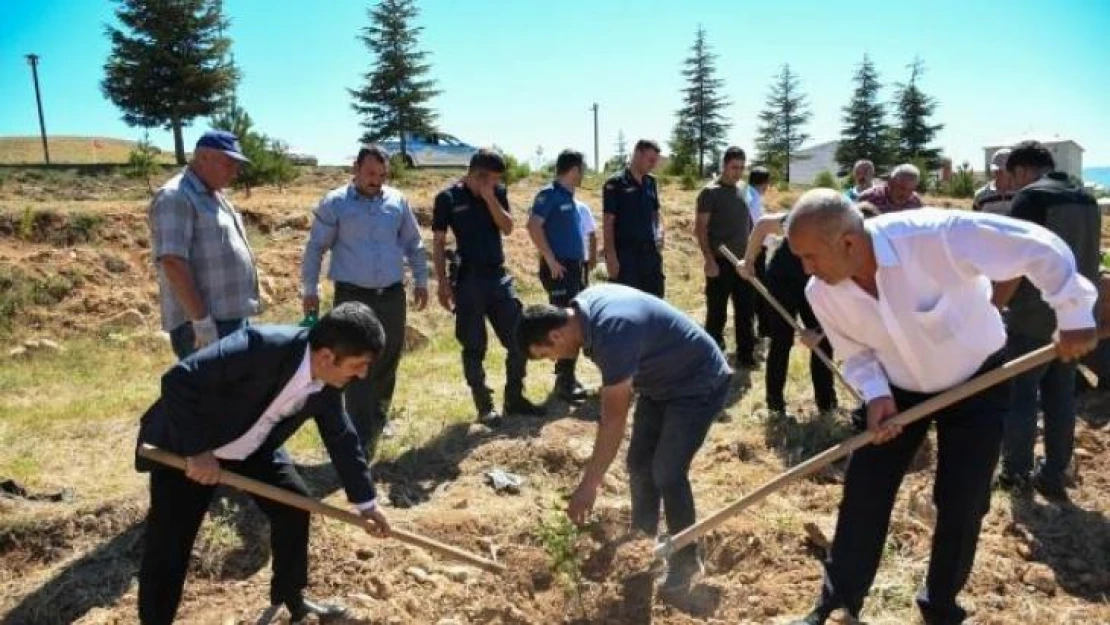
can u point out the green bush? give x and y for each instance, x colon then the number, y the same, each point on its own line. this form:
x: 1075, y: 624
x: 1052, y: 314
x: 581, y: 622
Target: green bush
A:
x: 826, y: 180
x: 142, y: 162
x: 515, y: 170
x: 962, y: 183
x: 689, y: 180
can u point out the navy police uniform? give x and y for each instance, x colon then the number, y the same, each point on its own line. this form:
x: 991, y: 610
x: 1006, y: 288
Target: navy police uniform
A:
x: 635, y: 206
x: 483, y: 290
x: 562, y: 227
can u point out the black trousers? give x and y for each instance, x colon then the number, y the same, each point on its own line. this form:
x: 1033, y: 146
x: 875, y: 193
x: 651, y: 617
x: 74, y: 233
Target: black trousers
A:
x: 559, y: 293
x: 791, y: 294
x: 641, y: 267
x: 665, y: 436
x: 488, y: 296
x: 969, y: 436
x: 728, y: 286
x: 762, y: 316
x: 177, y: 507
x: 368, y: 400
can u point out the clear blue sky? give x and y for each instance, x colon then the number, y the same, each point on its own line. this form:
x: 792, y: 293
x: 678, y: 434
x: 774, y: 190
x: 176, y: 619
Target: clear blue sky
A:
x: 523, y: 73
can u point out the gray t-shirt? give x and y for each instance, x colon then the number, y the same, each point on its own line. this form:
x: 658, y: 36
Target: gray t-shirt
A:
x: 631, y: 334
x: 730, y: 222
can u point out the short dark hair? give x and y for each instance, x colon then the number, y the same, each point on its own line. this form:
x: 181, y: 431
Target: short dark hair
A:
x: 487, y: 160
x: 733, y: 153
x: 375, y: 152
x: 351, y: 329
x: 536, y: 322
x: 1030, y: 154
x: 568, y: 160
x: 759, y: 175
x: 647, y: 144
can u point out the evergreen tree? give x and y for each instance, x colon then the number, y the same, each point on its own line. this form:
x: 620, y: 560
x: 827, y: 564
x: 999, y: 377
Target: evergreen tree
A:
x: 865, y: 132
x: 914, y: 133
x: 169, y: 64
x: 780, y: 132
x: 700, y: 128
x: 394, y: 99
x: 269, y: 158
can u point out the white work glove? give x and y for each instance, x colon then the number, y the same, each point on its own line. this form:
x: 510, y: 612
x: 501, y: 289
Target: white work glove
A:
x: 205, y: 332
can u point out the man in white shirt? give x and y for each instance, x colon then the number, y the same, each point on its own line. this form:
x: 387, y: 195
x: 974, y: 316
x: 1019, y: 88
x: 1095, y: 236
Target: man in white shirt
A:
x: 589, y: 237
x: 231, y: 406
x: 905, y: 301
x: 759, y: 181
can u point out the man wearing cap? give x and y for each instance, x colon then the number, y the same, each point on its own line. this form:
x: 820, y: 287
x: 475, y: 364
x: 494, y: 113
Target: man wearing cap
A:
x: 633, y: 227
x: 371, y: 233
x: 995, y: 196
x: 207, y: 281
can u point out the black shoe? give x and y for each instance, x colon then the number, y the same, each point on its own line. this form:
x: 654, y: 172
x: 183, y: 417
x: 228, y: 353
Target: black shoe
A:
x: 678, y: 575
x: 1051, y: 488
x: 490, y: 418
x: 815, y: 617
x: 571, y: 391
x: 1014, y: 484
x: 519, y: 405
x: 746, y: 361
x: 301, y: 608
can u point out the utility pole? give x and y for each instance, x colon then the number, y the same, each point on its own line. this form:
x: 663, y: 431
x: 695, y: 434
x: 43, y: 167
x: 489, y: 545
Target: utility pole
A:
x: 33, y: 59
x: 597, y: 162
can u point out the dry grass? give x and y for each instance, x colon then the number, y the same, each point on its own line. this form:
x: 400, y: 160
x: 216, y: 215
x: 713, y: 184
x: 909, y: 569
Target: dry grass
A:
x: 69, y: 150
x: 69, y: 419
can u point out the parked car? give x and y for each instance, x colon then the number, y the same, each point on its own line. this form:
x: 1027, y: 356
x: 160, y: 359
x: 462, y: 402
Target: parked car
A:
x: 431, y: 150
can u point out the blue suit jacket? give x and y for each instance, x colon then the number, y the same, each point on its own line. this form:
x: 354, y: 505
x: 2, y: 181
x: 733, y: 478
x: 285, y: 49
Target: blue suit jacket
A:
x: 214, y: 396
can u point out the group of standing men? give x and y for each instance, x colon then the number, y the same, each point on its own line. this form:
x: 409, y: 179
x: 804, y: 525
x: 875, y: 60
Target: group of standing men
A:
x: 883, y: 296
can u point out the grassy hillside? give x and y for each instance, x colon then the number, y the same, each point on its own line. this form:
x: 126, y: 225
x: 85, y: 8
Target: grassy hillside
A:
x: 69, y: 150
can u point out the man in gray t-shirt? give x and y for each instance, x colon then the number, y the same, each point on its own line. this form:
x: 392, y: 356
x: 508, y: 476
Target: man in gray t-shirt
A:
x: 644, y: 345
x: 723, y: 219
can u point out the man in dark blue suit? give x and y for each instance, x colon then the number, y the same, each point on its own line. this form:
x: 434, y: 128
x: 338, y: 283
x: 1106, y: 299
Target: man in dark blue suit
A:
x: 231, y: 406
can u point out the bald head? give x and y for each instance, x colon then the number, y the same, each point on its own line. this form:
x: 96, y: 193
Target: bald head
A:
x: 825, y: 211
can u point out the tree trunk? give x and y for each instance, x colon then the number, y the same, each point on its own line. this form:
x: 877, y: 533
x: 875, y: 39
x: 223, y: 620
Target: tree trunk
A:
x: 178, y: 142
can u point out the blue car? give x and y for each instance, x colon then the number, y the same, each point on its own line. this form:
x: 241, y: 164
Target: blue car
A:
x: 431, y: 150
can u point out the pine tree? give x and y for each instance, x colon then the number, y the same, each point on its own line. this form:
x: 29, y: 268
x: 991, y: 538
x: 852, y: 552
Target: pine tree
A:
x: 394, y: 99
x: 269, y: 158
x: 780, y: 132
x: 169, y: 64
x: 865, y: 132
x: 914, y: 133
x: 700, y: 128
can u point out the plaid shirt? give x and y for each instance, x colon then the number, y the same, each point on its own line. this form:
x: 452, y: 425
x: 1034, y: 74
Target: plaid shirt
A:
x: 188, y: 221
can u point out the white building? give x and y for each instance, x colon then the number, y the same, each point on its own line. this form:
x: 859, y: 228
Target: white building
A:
x: 1067, y: 153
x: 806, y: 163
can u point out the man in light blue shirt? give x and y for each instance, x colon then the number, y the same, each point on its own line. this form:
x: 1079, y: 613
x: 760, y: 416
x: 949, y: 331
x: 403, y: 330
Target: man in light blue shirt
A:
x: 371, y: 233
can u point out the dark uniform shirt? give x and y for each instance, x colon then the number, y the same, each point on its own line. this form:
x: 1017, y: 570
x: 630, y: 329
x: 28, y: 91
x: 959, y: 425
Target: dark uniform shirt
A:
x: 636, y: 207
x: 630, y: 334
x: 561, y: 223
x: 476, y: 234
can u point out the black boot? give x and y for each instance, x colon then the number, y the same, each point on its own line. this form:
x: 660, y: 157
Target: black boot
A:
x: 570, y: 390
x: 483, y: 403
x: 301, y: 608
x: 517, y: 404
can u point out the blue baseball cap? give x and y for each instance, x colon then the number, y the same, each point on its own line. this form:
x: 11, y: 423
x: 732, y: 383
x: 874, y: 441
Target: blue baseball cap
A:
x: 223, y: 141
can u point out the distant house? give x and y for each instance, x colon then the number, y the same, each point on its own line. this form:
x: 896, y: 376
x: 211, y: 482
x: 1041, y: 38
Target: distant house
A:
x: 1067, y: 153
x: 807, y: 163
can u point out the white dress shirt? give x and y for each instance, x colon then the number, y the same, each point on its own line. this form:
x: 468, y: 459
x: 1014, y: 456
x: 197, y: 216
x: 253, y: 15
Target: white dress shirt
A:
x: 289, y: 400
x: 933, y: 325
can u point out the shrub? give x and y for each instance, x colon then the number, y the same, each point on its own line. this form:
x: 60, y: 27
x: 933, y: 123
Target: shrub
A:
x: 515, y: 170
x: 962, y: 183
x: 142, y: 163
x: 826, y: 180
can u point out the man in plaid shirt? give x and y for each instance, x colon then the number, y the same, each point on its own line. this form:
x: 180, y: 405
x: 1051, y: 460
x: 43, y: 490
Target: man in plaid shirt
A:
x: 207, y: 281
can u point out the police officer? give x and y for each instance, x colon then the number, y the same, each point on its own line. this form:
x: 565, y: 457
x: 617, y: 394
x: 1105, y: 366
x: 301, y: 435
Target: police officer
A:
x: 476, y: 209
x: 555, y: 228
x: 633, y: 228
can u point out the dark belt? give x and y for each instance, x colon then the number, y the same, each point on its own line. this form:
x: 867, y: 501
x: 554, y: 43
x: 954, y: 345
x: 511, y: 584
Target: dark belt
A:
x: 376, y: 291
x: 632, y: 246
x: 481, y: 271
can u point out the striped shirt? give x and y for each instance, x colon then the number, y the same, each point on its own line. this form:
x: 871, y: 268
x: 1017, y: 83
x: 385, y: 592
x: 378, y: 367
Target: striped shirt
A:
x: 990, y: 200
x: 190, y: 221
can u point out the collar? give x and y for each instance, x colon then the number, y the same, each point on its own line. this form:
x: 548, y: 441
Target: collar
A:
x: 555, y: 184
x: 885, y: 255
x: 193, y: 180
x: 302, y: 378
